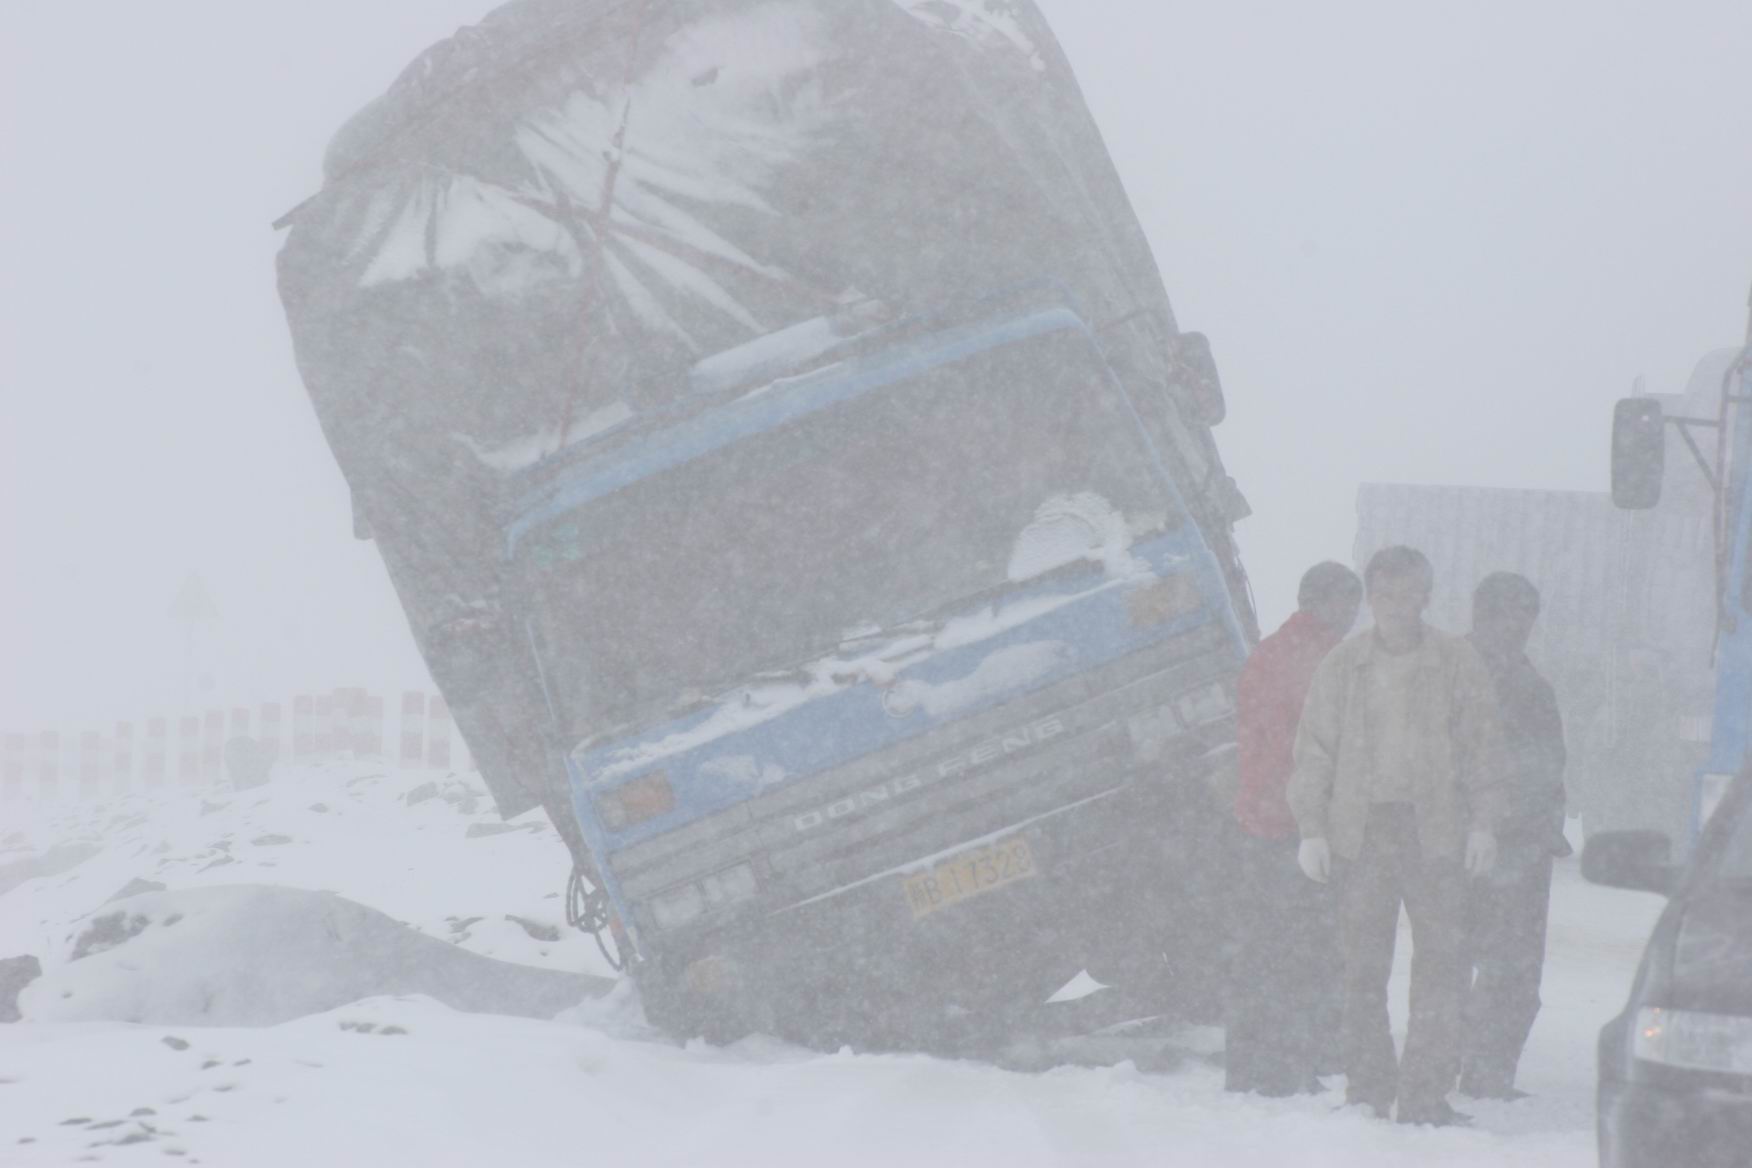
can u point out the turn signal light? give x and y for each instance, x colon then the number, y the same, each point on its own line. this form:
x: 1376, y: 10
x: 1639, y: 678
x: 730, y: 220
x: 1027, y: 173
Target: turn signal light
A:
x: 1164, y: 600
x: 1685, y: 1038
x: 1205, y: 704
x: 644, y: 798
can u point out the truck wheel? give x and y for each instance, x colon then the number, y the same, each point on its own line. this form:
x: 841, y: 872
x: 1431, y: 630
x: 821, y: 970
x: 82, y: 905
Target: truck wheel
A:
x: 684, y: 1014
x: 1170, y: 950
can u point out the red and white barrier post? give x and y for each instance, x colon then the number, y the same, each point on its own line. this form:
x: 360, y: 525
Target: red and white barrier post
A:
x: 349, y: 731
x: 152, y: 764
x: 92, y: 764
x: 324, y: 736
x: 213, y: 747
x: 372, y: 742
x: 438, y: 734
x: 15, y: 767
x: 268, y: 731
x: 48, y: 766
x: 122, y: 758
x: 348, y: 720
x: 188, y: 750
x: 303, y: 728
x: 413, y: 729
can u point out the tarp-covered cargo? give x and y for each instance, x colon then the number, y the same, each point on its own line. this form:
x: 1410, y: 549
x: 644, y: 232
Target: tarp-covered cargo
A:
x: 554, y: 221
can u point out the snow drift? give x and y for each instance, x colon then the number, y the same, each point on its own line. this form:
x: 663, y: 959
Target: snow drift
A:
x: 256, y: 955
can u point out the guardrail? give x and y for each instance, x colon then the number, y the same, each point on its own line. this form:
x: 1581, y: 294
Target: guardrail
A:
x: 239, y: 744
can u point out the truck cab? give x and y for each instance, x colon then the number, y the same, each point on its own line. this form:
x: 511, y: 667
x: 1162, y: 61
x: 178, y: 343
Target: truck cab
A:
x: 894, y: 654
x: 1719, y: 442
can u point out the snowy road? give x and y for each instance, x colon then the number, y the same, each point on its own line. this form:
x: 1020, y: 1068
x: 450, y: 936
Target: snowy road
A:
x: 407, y: 1080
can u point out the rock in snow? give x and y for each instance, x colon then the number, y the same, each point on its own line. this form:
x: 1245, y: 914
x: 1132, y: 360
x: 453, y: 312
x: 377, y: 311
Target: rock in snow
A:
x: 15, y: 974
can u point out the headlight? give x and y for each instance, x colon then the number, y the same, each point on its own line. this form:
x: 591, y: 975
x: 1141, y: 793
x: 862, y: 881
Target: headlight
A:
x: 1151, y: 731
x: 685, y: 904
x: 729, y: 886
x: 644, y: 798
x: 678, y: 906
x: 1207, y: 703
x: 1685, y: 1038
x: 1163, y: 600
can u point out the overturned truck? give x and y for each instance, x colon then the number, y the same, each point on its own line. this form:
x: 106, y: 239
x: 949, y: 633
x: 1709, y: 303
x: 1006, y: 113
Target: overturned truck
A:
x: 774, y: 425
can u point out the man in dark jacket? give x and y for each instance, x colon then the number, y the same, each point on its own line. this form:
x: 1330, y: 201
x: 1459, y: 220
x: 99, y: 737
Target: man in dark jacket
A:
x: 1284, y: 1003
x: 1508, y: 909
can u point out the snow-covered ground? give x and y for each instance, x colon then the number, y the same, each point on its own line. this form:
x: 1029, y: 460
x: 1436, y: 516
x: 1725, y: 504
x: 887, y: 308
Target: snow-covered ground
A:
x: 375, y: 1059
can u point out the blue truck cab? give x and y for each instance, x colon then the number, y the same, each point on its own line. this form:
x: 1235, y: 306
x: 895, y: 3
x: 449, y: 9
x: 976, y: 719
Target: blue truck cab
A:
x: 891, y: 667
x: 1731, y: 725
x: 1721, y: 446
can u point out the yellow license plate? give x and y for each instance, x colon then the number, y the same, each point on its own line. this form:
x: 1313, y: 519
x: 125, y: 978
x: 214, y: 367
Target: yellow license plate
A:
x: 969, y: 874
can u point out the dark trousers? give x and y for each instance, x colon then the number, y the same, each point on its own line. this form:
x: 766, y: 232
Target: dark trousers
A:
x: 1391, y: 870
x: 1507, y: 917
x: 1283, y: 1001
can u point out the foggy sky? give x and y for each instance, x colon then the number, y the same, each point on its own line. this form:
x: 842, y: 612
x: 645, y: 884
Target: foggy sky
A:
x: 1426, y: 249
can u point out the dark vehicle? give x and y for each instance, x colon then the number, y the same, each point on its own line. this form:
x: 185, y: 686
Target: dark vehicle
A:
x: 1676, y: 1065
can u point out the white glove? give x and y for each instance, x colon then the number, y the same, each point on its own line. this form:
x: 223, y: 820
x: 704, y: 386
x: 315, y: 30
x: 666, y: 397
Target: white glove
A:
x: 1315, y: 857
x: 1481, y: 850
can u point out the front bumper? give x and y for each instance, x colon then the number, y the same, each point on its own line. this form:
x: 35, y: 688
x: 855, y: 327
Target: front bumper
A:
x: 1695, y: 1124
x: 1128, y: 883
x: 1662, y: 1116
x: 1124, y: 822
x: 1116, y: 866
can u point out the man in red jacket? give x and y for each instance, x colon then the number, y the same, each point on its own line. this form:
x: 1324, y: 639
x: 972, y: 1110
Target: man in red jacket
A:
x: 1283, y: 1009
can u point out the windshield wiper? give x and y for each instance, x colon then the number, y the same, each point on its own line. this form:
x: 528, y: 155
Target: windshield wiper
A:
x: 941, y: 614
x: 700, y: 695
x: 923, y: 627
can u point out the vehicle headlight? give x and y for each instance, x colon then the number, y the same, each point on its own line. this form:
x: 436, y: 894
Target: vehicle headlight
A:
x: 678, y: 906
x: 646, y: 797
x: 729, y: 886
x: 1686, y: 1038
x: 1207, y: 703
x: 1163, y: 600
x: 686, y: 903
x: 1151, y: 731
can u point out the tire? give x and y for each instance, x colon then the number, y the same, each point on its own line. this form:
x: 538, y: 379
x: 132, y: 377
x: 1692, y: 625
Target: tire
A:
x: 683, y: 1014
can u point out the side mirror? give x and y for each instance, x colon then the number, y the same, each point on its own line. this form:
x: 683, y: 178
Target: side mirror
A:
x: 1192, y: 375
x: 1639, y: 453
x: 1636, y: 860
x: 1234, y: 504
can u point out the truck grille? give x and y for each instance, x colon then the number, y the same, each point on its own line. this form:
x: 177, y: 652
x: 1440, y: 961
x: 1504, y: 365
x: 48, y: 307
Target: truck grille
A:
x: 1003, y: 766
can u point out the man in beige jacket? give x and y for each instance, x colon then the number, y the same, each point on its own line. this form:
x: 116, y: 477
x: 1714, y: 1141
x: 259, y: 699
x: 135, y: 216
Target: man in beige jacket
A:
x: 1397, y: 793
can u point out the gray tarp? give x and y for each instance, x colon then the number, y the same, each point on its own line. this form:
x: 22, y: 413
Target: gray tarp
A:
x: 551, y: 217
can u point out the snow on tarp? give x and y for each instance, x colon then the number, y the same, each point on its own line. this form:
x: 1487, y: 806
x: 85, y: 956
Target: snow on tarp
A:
x: 555, y: 220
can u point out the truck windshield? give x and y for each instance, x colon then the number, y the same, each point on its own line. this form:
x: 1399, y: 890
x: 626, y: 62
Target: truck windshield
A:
x: 861, y: 517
